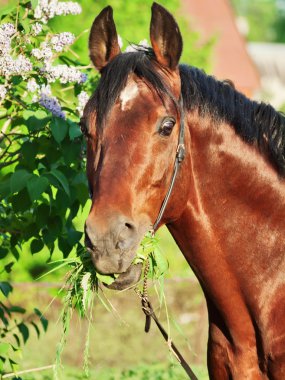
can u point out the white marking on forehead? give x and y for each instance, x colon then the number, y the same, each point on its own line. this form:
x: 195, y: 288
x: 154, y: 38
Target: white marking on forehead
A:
x: 129, y: 93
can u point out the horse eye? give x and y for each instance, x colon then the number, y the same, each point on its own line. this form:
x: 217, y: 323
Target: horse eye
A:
x: 166, y: 127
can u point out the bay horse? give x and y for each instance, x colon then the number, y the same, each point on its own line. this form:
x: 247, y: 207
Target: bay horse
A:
x: 227, y: 208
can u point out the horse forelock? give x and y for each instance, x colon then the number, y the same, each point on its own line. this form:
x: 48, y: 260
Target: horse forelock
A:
x: 115, y: 79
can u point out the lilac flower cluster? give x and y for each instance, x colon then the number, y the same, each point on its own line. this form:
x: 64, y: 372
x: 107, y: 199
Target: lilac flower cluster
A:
x: 51, y: 104
x: 37, y: 28
x: 44, y: 53
x: 43, y: 96
x: 41, y: 56
x: 8, y: 65
x: 65, y: 74
x: 47, y: 9
x: 32, y: 85
x: 59, y: 41
x: 7, y: 29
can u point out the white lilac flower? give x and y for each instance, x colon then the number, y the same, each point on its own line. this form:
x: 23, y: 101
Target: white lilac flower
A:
x: 67, y: 7
x: 82, y: 100
x: 5, y: 44
x: 3, y: 92
x: 32, y: 85
x: 9, y: 66
x: 47, y: 9
x: 7, y: 29
x: 22, y: 65
x: 132, y: 48
x: 59, y: 41
x: 64, y: 73
x: 37, y: 28
x: 45, y: 89
x: 51, y: 104
x: 44, y: 53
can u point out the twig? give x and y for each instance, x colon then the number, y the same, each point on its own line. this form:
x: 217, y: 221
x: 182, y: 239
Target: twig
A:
x: 12, y: 374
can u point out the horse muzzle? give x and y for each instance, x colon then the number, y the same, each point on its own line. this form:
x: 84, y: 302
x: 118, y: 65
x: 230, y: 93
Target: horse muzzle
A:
x: 113, y: 250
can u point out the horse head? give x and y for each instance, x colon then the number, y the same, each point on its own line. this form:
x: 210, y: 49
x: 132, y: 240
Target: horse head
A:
x: 132, y: 130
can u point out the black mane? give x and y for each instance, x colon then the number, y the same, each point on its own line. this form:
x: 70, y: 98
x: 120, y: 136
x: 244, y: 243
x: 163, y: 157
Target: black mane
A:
x: 256, y: 123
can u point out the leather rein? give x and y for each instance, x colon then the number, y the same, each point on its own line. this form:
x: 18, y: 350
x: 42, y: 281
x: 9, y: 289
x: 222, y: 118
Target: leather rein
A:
x: 146, y: 305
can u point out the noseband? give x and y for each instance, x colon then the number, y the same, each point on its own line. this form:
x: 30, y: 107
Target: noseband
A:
x: 180, y: 154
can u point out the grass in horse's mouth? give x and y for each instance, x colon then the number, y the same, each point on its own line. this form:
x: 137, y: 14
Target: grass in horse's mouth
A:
x: 83, y: 282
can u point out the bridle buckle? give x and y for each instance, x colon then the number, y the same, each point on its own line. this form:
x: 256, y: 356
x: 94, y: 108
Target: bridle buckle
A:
x: 180, y: 152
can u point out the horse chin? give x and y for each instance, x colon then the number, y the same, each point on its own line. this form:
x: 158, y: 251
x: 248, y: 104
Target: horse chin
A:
x: 127, y: 279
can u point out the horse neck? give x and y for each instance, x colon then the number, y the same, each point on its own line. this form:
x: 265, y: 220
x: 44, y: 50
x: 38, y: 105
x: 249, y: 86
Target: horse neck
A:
x: 233, y: 189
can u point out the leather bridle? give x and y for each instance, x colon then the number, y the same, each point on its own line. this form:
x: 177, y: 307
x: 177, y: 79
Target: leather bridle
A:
x: 180, y: 154
x: 146, y: 304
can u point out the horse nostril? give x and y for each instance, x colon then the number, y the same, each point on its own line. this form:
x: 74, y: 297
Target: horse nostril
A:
x: 130, y: 226
x: 126, y: 236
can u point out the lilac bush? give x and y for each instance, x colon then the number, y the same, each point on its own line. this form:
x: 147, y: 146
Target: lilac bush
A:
x: 42, y: 182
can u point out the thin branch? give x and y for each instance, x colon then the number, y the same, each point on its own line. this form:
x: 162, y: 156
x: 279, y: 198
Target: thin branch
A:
x: 12, y: 374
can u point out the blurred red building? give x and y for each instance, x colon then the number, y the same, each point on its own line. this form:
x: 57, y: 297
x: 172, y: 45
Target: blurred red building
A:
x: 230, y: 59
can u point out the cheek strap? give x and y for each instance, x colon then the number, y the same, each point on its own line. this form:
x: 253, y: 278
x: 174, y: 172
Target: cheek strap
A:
x: 180, y: 155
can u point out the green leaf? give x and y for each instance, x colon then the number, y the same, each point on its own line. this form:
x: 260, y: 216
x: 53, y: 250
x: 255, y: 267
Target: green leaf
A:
x: 35, y: 120
x: 161, y: 261
x: 14, y: 367
x: 17, y: 339
x: 29, y: 151
x: 36, y: 328
x: 43, y: 320
x: 105, y: 278
x: 24, y: 331
x: 61, y: 179
x: 17, y: 309
x: 6, y: 10
x: 19, y: 180
x: 8, y: 267
x: 74, y: 130
x: 3, y: 252
x: 5, y: 188
x: 5, y: 288
x: 36, y: 186
x: 36, y: 245
x: 64, y: 246
x: 42, y: 214
x: 73, y: 236
x: 21, y: 201
x: 27, y: 114
x: 59, y: 128
x: 3, y: 316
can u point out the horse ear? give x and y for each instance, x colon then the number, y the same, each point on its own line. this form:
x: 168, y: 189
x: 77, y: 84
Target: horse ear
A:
x: 165, y: 37
x: 103, y: 39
